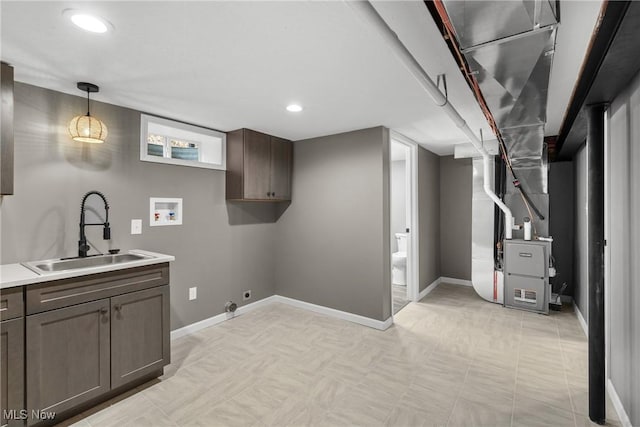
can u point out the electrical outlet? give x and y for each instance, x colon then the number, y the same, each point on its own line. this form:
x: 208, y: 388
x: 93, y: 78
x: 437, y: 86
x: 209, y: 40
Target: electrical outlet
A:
x: 136, y: 226
x: 193, y: 293
x: 246, y: 295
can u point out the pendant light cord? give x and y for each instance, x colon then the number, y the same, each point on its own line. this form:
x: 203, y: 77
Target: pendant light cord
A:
x: 88, y: 110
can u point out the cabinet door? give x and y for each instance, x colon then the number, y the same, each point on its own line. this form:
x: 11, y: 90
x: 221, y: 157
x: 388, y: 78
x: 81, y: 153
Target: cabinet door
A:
x: 67, y: 356
x: 257, y: 157
x: 12, y: 371
x: 6, y: 132
x: 281, y: 159
x: 139, y: 334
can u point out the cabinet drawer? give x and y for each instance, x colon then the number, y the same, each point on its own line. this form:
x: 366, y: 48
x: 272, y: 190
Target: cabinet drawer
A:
x: 76, y: 290
x: 11, y: 303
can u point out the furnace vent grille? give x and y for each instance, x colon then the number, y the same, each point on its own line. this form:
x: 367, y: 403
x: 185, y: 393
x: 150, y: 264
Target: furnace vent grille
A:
x: 525, y: 295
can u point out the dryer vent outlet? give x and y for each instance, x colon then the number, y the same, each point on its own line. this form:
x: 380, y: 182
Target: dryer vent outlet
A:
x: 230, y: 307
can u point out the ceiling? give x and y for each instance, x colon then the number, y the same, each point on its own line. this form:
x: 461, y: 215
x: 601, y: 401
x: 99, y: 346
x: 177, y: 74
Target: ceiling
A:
x: 227, y: 65
x: 577, y: 21
x: 608, y: 71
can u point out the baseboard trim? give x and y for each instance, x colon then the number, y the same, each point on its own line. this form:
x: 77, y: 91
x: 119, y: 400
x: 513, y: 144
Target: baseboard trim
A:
x: 617, y: 405
x: 453, y: 281
x: 426, y: 291
x: 355, y: 318
x: 219, y: 318
x: 581, y: 320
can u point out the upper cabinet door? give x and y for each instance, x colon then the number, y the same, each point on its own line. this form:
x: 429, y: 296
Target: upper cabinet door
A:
x: 281, y: 159
x: 6, y: 135
x: 257, y: 159
x: 258, y: 167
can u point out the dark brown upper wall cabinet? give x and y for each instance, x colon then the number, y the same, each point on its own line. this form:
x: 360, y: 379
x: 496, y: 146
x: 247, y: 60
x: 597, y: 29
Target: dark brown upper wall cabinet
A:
x: 6, y: 125
x: 258, y: 167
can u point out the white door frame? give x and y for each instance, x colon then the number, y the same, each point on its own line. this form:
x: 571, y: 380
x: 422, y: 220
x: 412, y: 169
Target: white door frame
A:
x: 413, y: 255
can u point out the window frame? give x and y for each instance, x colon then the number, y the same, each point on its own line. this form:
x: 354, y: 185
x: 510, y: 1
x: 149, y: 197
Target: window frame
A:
x: 146, y: 120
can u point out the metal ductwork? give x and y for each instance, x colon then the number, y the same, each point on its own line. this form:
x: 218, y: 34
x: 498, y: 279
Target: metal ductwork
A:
x: 509, y: 48
x: 369, y: 14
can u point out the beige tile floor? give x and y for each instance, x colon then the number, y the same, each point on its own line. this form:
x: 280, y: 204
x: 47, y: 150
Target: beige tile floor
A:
x: 451, y: 359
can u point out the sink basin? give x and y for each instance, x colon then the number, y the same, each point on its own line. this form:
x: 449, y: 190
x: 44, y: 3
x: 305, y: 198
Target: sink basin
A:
x: 56, y: 265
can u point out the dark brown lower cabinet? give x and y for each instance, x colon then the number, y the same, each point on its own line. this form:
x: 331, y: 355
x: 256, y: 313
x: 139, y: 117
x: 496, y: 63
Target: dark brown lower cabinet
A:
x: 67, y: 358
x: 87, y: 339
x: 139, y: 334
x: 12, y: 372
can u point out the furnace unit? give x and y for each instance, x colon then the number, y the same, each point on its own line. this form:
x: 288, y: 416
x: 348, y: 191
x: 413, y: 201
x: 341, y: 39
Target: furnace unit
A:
x: 526, y: 275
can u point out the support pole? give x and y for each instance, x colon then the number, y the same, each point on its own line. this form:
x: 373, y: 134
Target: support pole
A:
x: 595, y: 208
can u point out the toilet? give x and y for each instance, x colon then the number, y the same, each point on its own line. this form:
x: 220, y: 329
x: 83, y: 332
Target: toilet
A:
x: 399, y: 261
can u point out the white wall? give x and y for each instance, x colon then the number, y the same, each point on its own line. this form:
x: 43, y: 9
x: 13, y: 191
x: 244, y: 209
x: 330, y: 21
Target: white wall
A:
x: 623, y: 244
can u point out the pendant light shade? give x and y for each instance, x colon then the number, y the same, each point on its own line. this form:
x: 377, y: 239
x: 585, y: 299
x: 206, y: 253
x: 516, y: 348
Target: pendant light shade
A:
x: 88, y: 128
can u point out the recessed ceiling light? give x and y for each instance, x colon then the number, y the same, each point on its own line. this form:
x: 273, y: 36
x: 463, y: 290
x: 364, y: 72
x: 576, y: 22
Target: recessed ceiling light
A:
x: 87, y: 21
x: 294, y: 108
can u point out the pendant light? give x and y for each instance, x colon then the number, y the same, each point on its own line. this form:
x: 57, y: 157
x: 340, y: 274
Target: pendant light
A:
x: 88, y: 128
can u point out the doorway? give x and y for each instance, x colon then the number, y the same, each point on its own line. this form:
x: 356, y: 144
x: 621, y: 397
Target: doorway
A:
x: 403, y: 221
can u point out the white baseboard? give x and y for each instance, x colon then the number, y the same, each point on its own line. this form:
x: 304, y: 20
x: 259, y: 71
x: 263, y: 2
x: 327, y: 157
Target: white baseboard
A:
x: 429, y: 288
x: 617, y: 404
x: 452, y: 281
x: 355, y: 318
x: 195, y: 327
x: 581, y: 320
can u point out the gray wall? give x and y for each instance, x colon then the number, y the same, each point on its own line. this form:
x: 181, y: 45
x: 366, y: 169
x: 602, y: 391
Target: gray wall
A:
x: 52, y: 173
x: 623, y: 244
x: 561, y: 205
x: 398, y: 200
x: 429, y: 217
x: 581, y: 243
x: 455, y: 217
x: 333, y: 242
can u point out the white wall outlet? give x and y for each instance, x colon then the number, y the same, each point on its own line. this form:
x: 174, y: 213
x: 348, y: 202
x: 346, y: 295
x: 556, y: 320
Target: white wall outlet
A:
x: 246, y: 295
x: 193, y: 293
x: 136, y: 226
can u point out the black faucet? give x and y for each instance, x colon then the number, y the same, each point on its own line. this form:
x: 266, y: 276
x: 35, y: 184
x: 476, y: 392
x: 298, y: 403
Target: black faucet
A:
x: 83, y: 247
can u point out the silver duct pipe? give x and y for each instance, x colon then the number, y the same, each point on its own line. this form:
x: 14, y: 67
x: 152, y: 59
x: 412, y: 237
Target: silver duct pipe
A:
x: 368, y: 13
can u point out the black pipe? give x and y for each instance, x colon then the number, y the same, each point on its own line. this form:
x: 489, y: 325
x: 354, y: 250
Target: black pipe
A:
x: 595, y: 209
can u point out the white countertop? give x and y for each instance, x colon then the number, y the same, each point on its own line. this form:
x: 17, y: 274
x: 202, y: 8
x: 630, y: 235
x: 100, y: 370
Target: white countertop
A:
x: 12, y: 275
